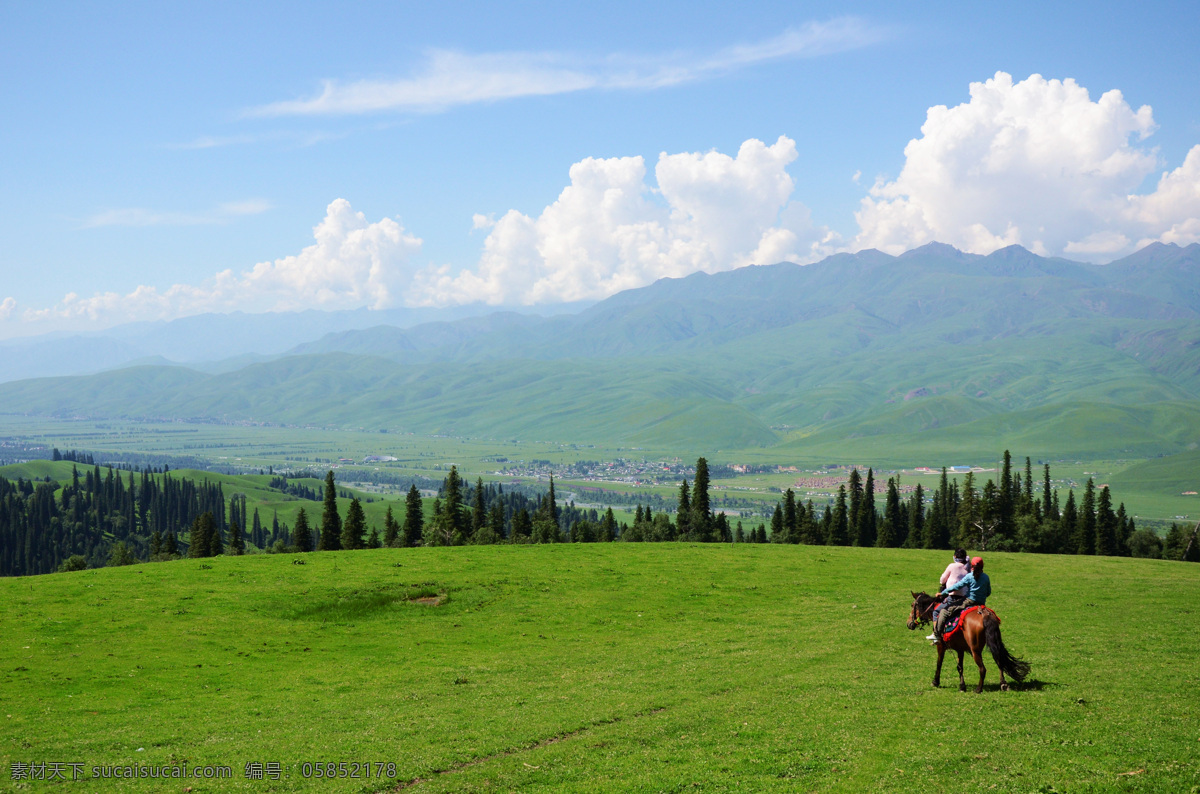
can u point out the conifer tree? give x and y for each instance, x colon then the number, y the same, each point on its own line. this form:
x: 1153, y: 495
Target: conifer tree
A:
x: 522, y: 526
x: 354, y: 527
x: 331, y: 522
x: 1085, y: 526
x: 302, y: 535
x: 916, y: 520
x: 391, y: 529
x: 155, y: 542
x: 683, y: 513
x: 791, y: 526
x: 256, y: 535
x: 608, y: 527
x: 414, y: 518
x: 1027, y: 505
x: 455, y: 522
x: 1047, y: 494
x: 172, y: 546
x: 887, y: 537
x: 854, y: 494
x: 840, y: 530
x: 237, y: 544
x: 701, y: 519
x: 478, y: 510
x: 216, y: 544
x: 197, y: 540
x: 868, y: 522
x: 1007, y: 512
x: 777, y: 527
x: 1106, y: 525
x: 1068, y: 532
x: 373, y: 541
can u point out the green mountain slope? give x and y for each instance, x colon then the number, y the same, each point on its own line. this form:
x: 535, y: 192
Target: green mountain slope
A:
x: 934, y: 349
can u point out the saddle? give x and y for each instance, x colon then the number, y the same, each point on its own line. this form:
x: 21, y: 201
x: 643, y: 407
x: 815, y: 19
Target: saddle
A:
x: 956, y: 624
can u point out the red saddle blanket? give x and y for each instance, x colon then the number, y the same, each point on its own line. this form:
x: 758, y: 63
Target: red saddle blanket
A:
x: 958, y: 620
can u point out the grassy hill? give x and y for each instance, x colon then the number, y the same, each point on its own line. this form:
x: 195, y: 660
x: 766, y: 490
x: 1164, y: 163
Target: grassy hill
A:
x: 934, y: 348
x: 601, y: 667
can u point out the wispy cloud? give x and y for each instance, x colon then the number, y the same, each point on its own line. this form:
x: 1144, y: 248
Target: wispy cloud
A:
x: 138, y: 216
x: 288, y: 138
x: 447, y: 78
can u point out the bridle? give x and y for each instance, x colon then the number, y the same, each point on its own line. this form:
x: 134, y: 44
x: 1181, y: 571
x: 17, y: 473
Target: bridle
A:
x: 919, y: 617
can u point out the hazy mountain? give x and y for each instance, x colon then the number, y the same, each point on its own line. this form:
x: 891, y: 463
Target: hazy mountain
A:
x: 859, y: 355
x: 214, y: 342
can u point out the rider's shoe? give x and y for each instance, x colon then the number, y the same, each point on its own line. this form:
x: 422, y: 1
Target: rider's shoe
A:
x: 932, y: 638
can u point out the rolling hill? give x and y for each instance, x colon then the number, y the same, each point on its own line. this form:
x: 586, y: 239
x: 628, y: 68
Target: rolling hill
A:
x: 934, y: 349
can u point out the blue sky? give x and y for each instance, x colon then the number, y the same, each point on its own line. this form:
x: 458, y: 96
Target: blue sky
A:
x: 155, y: 147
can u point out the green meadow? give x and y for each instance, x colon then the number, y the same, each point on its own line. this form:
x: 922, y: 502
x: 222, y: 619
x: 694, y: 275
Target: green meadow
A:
x: 584, y: 667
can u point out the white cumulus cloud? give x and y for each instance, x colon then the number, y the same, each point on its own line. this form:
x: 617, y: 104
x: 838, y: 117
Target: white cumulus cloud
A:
x: 609, y: 230
x: 352, y: 263
x: 7, y: 307
x: 1037, y: 163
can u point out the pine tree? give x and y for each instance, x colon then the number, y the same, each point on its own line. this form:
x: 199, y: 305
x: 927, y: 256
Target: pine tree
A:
x: 216, y: 544
x: 414, y: 518
x: 791, y: 527
x: 888, y: 537
x: 608, y: 527
x: 1085, y: 527
x: 1027, y: 505
x: 373, y: 541
x: 452, y: 509
x: 839, y: 534
x: 155, y: 542
x: 1047, y: 494
x: 355, y: 527
x: 197, y: 541
x: 302, y: 535
x: 1068, y: 532
x: 777, y: 527
x: 868, y: 521
x: 916, y: 520
x: 1007, y: 513
x: 237, y: 544
x: 391, y: 529
x: 478, y: 509
x: 854, y: 493
x: 172, y: 546
x: 701, y: 511
x: 1106, y: 525
x: 683, y: 513
x: 522, y: 526
x: 331, y: 522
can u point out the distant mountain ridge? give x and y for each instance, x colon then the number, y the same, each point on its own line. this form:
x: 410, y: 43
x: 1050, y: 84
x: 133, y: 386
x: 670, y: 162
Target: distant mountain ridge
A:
x: 933, y: 349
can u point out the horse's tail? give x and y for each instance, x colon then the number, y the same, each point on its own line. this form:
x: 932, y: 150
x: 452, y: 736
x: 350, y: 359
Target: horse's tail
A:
x: 1012, y: 666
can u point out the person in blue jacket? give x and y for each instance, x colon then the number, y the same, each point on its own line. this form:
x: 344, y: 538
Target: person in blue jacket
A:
x: 977, y: 587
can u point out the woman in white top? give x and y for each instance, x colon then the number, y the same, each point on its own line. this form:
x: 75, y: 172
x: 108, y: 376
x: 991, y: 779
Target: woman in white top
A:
x: 953, y: 574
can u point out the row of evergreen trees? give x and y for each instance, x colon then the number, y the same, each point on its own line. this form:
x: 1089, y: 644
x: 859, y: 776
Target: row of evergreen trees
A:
x: 102, y: 519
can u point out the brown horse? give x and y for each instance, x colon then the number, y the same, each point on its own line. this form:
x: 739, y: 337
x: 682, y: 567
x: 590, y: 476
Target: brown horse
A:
x: 979, y: 628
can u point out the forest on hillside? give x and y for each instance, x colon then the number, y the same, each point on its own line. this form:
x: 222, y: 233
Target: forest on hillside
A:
x: 110, y: 517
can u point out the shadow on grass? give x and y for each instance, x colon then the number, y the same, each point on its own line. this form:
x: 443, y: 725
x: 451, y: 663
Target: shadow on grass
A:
x: 358, y: 605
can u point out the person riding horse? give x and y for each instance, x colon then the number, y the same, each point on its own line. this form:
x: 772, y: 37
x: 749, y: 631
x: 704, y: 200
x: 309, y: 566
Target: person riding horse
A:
x: 953, y: 574
x: 977, y: 587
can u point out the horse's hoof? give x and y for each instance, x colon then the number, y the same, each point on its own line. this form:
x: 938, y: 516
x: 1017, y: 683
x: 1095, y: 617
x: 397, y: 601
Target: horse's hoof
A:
x: 962, y: 687
x: 936, y: 683
x: 978, y: 690
x: 1004, y: 687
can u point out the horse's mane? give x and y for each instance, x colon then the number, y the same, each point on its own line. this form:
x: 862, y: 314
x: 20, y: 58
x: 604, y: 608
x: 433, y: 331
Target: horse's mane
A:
x: 924, y: 599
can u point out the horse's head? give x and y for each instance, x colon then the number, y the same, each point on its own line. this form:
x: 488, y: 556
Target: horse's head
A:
x: 922, y: 609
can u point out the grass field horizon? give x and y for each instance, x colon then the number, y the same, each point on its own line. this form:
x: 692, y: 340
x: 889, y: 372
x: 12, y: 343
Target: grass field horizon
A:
x: 583, y: 666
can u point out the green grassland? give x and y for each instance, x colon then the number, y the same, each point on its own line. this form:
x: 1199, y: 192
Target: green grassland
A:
x: 602, y: 667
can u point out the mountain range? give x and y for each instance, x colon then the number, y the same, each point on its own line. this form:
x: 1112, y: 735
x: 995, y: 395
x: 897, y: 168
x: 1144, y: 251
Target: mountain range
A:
x: 933, y: 352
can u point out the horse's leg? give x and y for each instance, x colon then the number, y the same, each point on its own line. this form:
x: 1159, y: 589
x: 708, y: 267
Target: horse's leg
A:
x: 937, y: 674
x: 977, y: 655
x: 962, y: 684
